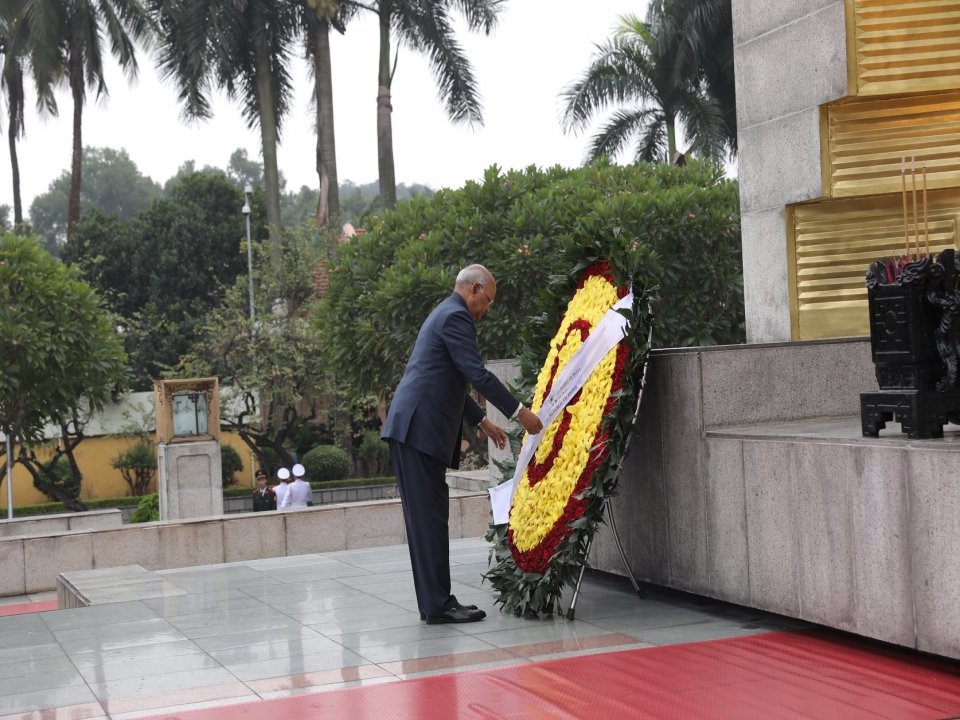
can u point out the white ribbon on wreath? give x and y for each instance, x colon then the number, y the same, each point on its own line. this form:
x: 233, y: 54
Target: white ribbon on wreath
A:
x: 603, y: 338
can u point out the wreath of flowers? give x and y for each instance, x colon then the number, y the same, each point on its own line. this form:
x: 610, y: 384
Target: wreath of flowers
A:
x: 548, y: 497
x: 559, y: 500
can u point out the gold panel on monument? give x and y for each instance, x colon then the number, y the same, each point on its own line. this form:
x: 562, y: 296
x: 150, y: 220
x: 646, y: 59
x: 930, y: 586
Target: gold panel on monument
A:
x: 866, y: 140
x: 902, y: 47
x: 832, y: 242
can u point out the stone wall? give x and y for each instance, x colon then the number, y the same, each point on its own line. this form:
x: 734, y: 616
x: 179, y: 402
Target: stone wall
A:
x: 720, y: 497
x: 31, y: 564
x: 790, y: 58
x: 61, y: 522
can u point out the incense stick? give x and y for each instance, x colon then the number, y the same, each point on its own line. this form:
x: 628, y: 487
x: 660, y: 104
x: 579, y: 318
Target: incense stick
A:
x: 903, y: 178
x: 926, y: 217
x: 916, y: 223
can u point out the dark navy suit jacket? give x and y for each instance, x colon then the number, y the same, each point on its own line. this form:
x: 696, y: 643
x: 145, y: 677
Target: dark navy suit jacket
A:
x: 431, y: 401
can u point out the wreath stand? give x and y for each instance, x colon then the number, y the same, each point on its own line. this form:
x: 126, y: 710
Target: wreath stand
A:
x: 608, y: 505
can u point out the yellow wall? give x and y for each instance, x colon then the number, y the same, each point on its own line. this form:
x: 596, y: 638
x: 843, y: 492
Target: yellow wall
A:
x: 99, y: 479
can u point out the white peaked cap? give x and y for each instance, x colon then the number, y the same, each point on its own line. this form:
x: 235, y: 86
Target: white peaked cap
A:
x: 283, y: 474
x: 298, y: 470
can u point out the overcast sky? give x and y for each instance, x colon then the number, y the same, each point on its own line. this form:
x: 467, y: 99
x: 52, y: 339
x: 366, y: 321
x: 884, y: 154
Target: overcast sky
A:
x: 539, y: 47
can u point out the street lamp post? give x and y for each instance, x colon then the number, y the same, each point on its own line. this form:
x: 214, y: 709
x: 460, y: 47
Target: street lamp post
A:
x: 9, y: 477
x: 246, y: 213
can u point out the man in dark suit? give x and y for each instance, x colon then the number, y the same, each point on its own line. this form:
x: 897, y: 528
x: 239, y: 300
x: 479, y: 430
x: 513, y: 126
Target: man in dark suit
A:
x: 424, y: 428
x: 264, y: 498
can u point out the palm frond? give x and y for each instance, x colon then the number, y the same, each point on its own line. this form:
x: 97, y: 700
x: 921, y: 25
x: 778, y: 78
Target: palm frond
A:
x: 426, y: 28
x: 618, y: 130
x: 619, y: 72
x: 704, y: 124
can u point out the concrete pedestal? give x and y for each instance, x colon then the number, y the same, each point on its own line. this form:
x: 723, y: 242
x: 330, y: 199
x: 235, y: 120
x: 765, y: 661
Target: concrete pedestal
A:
x: 191, y: 482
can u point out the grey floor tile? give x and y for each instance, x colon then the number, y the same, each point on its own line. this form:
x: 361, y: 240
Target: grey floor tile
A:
x: 675, y: 635
x: 296, y: 664
x: 423, y: 648
x: 26, y: 639
x: 129, y: 629
x: 96, y: 615
x: 18, y: 599
x: 23, y: 666
x: 22, y: 623
x: 117, y: 642
x: 229, y: 627
x: 348, y: 595
x: 45, y: 699
x: 325, y: 572
x: 107, y: 672
x: 214, y: 585
x: 672, y: 617
x: 228, y: 614
x: 269, y: 651
x: 365, y: 581
x: 497, y: 621
x: 286, y: 588
x: 257, y: 637
x: 396, y: 636
x: 376, y: 622
x: 135, y: 653
x: 50, y: 680
x: 194, y: 603
x: 29, y: 653
x: 165, y: 683
x: 290, y: 561
x: 547, y: 632
x: 359, y: 611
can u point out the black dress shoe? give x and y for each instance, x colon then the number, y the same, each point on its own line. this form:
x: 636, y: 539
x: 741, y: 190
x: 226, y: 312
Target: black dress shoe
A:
x: 458, y: 606
x: 456, y: 615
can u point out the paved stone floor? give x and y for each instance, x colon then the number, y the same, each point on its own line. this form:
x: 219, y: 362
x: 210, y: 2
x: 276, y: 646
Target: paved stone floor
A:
x: 274, y: 628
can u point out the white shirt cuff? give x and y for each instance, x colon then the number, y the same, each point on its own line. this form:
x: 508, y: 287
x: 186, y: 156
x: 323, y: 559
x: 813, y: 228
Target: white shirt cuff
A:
x: 517, y: 411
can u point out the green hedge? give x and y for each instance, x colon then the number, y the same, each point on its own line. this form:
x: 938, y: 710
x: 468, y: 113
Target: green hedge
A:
x: 104, y: 503
x: 684, y: 221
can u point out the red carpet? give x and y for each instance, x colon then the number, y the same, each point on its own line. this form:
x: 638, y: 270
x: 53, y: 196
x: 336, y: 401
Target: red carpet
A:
x: 816, y: 674
x: 30, y: 607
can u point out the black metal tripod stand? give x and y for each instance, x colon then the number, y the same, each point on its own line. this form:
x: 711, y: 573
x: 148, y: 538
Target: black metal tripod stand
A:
x: 608, y: 505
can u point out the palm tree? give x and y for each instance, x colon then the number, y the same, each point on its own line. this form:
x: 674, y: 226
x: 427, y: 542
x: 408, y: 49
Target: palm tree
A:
x: 426, y: 26
x: 242, y: 47
x: 65, y: 41
x: 639, y: 67
x: 318, y: 17
x: 11, y: 85
x: 706, y: 50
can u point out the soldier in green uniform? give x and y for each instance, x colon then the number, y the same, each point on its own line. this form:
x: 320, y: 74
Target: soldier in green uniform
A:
x: 264, y: 498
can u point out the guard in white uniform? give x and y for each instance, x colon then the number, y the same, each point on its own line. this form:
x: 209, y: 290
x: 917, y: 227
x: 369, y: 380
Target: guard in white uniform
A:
x: 283, y: 489
x: 300, y: 493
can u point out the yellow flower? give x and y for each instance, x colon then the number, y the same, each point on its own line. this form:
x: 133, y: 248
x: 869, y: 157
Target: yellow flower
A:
x: 536, y: 509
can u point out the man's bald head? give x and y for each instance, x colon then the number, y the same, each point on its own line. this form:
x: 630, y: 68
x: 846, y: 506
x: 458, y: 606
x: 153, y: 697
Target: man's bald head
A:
x: 475, y: 284
x: 473, y: 274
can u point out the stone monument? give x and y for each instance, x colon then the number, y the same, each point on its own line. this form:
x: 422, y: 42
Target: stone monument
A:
x: 188, y: 448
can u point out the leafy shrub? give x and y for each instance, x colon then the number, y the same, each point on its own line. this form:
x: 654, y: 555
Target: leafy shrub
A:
x: 148, y: 510
x: 387, y: 280
x: 230, y: 465
x: 138, y: 465
x: 374, y: 452
x: 326, y: 462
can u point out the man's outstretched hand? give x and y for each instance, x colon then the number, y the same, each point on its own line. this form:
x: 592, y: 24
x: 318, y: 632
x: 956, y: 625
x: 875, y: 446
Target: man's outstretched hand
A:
x: 495, y: 433
x: 531, y: 423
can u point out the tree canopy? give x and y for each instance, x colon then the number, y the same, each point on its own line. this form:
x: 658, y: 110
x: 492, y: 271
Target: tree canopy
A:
x: 163, y: 269
x: 112, y: 184
x: 386, y: 281
x: 61, y: 360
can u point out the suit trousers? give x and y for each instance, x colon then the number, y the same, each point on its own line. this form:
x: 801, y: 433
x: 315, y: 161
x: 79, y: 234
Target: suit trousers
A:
x: 422, y: 481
